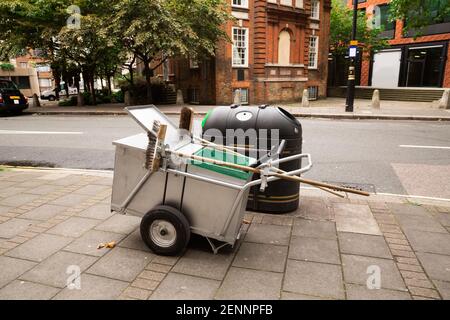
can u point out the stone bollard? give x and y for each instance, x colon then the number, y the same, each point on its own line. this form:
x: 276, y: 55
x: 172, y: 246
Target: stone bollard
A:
x: 237, y: 97
x: 305, y: 99
x: 180, y: 99
x: 36, y: 102
x: 127, y: 98
x: 376, y: 99
x: 444, y: 103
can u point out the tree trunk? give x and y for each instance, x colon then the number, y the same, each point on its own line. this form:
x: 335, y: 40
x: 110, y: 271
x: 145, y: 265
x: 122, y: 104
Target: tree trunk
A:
x: 108, y: 79
x: 148, y: 80
x: 94, y: 98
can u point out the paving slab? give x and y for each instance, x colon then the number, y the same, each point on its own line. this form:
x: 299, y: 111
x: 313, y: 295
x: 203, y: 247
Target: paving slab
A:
x: 204, y: 264
x: 134, y: 241
x: 246, y: 284
x: 269, y: 234
x: 314, y: 229
x: 40, y: 247
x: 121, y: 264
x: 42, y: 189
x: 407, y: 209
x: 314, y: 249
x: 11, y: 268
x: 443, y: 288
x: 13, y: 227
x: 356, y: 271
x: 18, y: 199
x: 356, y: 218
x: 316, y: 279
x: 421, y: 223
x: 73, y: 227
x: 31, y: 184
x: 315, y: 210
x: 70, y: 200
x: 94, y: 288
x: 429, y: 241
x: 91, y: 189
x: 297, y: 296
x: 89, y: 242
x: 443, y: 218
x: 53, y: 271
x: 23, y: 290
x: 63, y: 179
x: 358, y: 292
x: 259, y: 256
x: 120, y: 224
x: 183, y: 287
x: 44, y: 212
x: 364, y: 245
x: 4, y: 209
x: 99, y: 211
x: 10, y: 192
x: 436, y: 266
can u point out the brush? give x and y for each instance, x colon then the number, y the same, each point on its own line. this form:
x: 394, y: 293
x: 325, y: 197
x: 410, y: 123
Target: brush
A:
x: 155, y: 143
x: 187, y: 119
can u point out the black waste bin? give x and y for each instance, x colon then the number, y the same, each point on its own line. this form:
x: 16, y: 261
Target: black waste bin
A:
x: 280, y: 196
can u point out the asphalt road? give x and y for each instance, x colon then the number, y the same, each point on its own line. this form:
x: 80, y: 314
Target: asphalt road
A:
x: 390, y: 156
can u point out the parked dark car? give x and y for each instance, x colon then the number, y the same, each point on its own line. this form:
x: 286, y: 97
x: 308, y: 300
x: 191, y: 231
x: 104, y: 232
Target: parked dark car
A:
x: 11, y: 99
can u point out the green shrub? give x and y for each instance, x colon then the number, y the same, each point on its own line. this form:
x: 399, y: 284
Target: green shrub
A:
x: 71, y: 102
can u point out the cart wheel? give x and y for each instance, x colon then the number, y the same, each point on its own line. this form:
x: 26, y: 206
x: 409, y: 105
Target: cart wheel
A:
x: 165, y: 230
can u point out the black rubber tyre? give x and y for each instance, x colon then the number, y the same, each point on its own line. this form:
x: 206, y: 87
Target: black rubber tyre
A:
x: 52, y: 98
x: 165, y: 230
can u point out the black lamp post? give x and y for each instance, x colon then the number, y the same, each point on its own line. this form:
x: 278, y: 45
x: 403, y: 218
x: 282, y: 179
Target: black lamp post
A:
x: 352, y: 54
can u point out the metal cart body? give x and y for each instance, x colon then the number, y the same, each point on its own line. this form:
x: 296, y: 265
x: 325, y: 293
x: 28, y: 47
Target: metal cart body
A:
x: 214, y: 203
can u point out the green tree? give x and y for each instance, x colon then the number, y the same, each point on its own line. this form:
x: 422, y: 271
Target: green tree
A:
x: 420, y: 13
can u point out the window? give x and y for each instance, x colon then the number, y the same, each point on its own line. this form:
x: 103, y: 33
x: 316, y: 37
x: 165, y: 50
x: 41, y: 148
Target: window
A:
x: 22, y: 82
x: 313, y: 52
x: 193, y: 63
x: 286, y: 3
x: 284, y: 48
x: 240, y: 3
x: 23, y: 64
x: 315, y: 9
x: 244, y: 95
x: 313, y: 93
x: 43, y: 68
x: 45, y: 82
x: 240, y: 47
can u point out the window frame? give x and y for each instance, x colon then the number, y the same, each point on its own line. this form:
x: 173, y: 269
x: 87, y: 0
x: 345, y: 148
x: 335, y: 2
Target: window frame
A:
x: 316, y: 53
x: 317, y: 16
x: 244, y: 4
x: 247, y: 49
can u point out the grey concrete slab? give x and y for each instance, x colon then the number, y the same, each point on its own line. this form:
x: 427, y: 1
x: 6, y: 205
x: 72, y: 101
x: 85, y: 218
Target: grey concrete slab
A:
x: 314, y: 249
x: 99, y: 211
x: 94, y: 288
x: 42, y: 189
x: 12, y: 268
x: 269, y: 234
x: 204, y: 264
x: 53, y: 271
x: 407, y: 209
x: 121, y: 264
x: 183, y: 287
x: 66, y: 180
x: 44, y: 212
x: 364, y: 245
x: 443, y: 288
x: 40, y: 247
x: 358, y: 292
x: 260, y: 256
x: 70, y: 200
x: 31, y: 184
x: 422, y: 223
x: 356, y: 218
x: 120, y: 224
x: 91, y: 189
x: 245, y: 284
x: 134, y: 241
x: 89, y: 242
x: 73, y: 227
x: 357, y: 271
x: 297, y: 296
x: 5, y: 209
x: 436, y: 266
x: 13, y: 227
x: 314, y: 229
x: 315, y: 210
x: 10, y: 192
x: 23, y: 290
x: 316, y: 279
x: 18, y: 199
x: 443, y: 218
x: 431, y: 242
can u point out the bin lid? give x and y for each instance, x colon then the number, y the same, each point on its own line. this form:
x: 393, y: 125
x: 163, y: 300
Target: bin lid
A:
x: 146, y: 115
x: 227, y: 157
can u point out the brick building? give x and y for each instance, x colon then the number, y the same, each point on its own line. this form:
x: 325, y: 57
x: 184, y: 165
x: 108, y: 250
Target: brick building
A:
x: 408, y: 62
x: 279, y: 48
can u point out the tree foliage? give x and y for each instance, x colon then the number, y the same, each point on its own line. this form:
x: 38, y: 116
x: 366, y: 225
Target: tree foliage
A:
x: 341, y: 30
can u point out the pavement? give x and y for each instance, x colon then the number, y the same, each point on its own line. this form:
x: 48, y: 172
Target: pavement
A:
x: 52, y: 221
x: 333, y: 108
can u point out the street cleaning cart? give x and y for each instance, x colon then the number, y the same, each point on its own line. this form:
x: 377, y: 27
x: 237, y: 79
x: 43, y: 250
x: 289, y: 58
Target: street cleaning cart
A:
x: 197, y: 188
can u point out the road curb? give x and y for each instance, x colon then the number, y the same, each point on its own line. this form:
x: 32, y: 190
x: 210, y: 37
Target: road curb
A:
x: 298, y: 115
